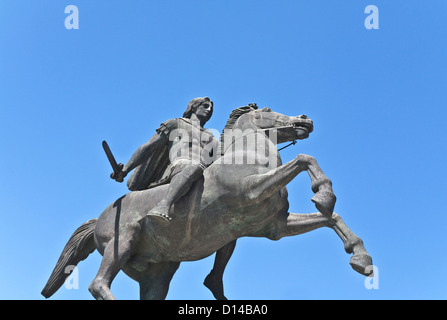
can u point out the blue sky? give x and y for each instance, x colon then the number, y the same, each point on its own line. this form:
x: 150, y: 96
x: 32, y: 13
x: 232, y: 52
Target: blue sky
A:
x: 377, y: 99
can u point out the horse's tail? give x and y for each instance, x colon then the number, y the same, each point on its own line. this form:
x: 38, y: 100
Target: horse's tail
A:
x: 78, y: 247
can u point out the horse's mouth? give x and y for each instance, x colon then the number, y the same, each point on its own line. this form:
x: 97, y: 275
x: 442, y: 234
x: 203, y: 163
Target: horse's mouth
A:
x: 302, y: 129
x: 297, y: 129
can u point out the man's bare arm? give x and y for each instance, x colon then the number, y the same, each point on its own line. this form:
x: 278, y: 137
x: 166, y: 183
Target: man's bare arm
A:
x: 141, y: 154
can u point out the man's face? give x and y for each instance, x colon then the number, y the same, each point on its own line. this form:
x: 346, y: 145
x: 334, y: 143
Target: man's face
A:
x: 204, y: 110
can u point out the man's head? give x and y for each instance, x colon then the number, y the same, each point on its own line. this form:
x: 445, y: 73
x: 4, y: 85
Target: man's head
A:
x: 202, y: 107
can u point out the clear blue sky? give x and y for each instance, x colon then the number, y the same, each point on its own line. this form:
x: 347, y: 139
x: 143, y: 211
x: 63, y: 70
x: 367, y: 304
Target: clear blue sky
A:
x: 377, y: 98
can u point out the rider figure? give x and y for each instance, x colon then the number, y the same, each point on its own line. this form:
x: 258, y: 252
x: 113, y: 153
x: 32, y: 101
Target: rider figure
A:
x: 177, y: 154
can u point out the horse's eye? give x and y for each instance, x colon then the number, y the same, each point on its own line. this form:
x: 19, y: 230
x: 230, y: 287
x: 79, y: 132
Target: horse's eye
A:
x: 258, y: 116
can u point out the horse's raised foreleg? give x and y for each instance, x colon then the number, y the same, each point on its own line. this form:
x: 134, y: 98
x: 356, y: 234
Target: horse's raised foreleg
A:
x: 361, y: 260
x: 324, y: 197
x: 258, y: 187
x: 294, y: 224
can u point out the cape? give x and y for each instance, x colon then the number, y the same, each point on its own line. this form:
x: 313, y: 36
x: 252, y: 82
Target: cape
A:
x: 149, y: 173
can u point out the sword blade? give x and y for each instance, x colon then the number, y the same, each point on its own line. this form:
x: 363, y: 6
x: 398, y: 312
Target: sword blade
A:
x: 110, y: 157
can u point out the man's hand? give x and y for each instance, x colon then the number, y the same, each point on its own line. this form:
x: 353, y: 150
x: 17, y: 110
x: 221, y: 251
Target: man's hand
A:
x: 120, y: 175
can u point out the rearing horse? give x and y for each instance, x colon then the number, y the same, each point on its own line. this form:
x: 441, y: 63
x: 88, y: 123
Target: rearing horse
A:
x: 243, y: 193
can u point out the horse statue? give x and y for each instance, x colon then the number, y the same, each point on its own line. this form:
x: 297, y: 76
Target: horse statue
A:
x: 241, y: 194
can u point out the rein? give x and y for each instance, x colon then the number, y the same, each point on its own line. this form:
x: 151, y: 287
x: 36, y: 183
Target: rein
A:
x: 292, y: 143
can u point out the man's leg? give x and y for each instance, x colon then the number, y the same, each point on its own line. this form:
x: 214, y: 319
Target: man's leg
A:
x: 178, y: 187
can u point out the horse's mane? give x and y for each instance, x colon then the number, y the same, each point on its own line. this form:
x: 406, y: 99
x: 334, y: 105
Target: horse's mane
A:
x: 235, y: 114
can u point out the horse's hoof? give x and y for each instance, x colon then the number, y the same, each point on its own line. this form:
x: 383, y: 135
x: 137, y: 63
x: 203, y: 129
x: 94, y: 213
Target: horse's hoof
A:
x: 215, y: 286
x: 324, y: 202
x: 362, y: 263
x: 100, y: 290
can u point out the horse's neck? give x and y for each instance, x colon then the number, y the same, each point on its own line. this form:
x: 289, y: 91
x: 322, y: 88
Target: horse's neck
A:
x: 255, y: 145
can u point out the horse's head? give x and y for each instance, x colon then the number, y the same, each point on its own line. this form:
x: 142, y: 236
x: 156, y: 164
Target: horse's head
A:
x: 279, y: 128
x: 287, y: 128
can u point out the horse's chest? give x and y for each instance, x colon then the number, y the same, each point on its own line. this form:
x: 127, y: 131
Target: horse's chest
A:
x: 259, y: 214
x: 276, y: 203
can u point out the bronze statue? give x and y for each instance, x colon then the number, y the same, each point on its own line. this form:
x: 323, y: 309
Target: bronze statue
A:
x: 231, y: 199
x: 176, y: 154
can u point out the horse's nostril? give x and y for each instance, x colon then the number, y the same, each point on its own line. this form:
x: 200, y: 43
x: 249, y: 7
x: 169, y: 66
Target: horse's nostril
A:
x: 303, y: 116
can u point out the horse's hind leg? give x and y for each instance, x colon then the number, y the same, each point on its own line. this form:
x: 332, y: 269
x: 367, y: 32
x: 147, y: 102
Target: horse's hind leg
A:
x: 113, y: 260
x: 116, y: 254
x: 154, y: 283
x: 213, y: 280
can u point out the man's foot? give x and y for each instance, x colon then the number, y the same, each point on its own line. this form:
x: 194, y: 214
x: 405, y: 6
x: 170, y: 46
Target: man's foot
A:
x: 160, y: 211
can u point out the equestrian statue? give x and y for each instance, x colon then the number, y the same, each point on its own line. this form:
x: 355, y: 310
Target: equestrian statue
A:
x: 192, y: 196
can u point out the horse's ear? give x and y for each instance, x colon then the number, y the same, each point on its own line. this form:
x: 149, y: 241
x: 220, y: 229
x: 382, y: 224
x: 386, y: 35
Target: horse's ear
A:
x: 248, y: 108
x: 253, y: 105
x: 266, y: 109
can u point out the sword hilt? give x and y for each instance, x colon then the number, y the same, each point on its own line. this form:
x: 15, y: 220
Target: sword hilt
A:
x: 118, y: 174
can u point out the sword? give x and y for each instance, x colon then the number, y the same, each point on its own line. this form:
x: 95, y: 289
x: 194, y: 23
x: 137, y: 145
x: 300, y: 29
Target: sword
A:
x: 117, y: 168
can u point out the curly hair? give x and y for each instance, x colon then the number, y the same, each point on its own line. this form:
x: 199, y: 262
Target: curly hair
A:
x: 194, y: 104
